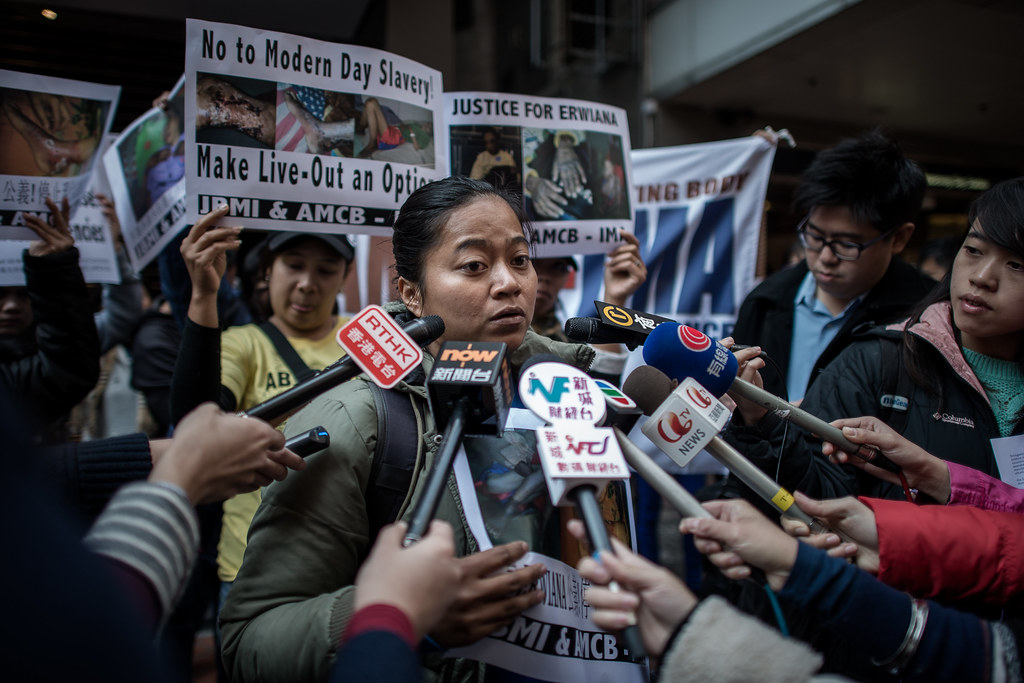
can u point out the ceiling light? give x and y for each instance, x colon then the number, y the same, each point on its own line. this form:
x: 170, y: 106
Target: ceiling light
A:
x: 49, y: 14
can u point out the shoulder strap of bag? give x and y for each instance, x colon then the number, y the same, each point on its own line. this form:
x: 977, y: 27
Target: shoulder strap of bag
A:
x: 287, y: 352
x: 394, y: 458
x: 897, y: 388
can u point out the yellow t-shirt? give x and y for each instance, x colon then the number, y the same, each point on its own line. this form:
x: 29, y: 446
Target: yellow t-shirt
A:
x: 252, y: 370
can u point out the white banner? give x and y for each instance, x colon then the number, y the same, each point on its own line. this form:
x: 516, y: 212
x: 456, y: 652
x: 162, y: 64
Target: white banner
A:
x: 50, y: 135
x: 505, y: 498
x: 146, y: 168
x: 301, y: 134
x: 698, y: 218
x: 568, y: 158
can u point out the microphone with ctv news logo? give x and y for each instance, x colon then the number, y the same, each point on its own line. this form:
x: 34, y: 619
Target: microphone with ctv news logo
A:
x: 377, y: 329
x: 470, y: 393
x: 685, y: 420
x: 680, y: 351
x: 614, y: 325
x: 578, y: 458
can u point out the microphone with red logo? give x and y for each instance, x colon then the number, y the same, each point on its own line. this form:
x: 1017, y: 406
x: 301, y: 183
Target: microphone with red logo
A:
x: 578, y: 458
x: 681, y: 351
x: 685, y: 420
x: 470, y: 393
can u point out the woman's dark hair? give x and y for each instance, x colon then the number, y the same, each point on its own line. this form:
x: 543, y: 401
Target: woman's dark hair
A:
x: 427, y: 210
x: 1000, y: 213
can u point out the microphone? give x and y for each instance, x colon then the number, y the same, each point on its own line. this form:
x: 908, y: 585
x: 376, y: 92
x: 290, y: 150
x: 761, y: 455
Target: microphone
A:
x: 421, y: 331
x: 680, y: 351
x: 686, y: 420
x: 308, y: 443
x: 614, y: 325
x: 577, y: 457
x: 470, y: 393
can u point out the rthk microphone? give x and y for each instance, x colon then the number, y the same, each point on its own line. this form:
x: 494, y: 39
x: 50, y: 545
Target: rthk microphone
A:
x: 680, y: 351
x: 372, y: 339
x: 614, y: 325
x: 686, y: 420
x: 470, y: 393
x: 578, y: 458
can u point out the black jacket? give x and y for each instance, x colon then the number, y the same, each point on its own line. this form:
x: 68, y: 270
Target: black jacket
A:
x: 50, y: 374
x: 956, y: 428
x: 766, y: 315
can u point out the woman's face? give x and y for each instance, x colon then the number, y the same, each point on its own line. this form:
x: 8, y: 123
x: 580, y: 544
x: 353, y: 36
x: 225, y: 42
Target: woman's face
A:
x: 987, y: 293
x: 305, y: 277
x: 477, y: 277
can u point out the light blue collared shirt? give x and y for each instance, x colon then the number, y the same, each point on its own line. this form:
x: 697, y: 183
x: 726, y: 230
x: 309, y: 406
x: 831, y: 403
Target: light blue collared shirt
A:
x: 814, y: 328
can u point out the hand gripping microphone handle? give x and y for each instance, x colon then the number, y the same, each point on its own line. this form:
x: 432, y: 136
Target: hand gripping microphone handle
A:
x: 660, y: 480
x: 422, y: 330
x: 811, y: 423
x: 590, y: 511
x: 426, y: 506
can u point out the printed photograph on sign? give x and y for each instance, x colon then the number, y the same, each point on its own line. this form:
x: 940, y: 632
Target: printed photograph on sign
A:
x: 152, y: 154
x: 490, y: 153
x: 513, y: 497
x: 573, y: 175
x: 44, y: 134
x: 231, y: 110
x: 342, y: 124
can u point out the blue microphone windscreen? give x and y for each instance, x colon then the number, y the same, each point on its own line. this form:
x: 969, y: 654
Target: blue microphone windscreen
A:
x: 681, y: 351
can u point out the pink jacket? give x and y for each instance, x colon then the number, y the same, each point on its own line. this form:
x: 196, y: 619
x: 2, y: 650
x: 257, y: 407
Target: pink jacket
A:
x: 968, y: 486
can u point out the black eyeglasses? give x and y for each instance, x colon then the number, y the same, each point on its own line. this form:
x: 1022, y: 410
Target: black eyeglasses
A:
x: 845, y: 250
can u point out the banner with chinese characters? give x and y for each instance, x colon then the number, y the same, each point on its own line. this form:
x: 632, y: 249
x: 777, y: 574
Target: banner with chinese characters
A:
x: 305, y: 135
x: 51, y: 130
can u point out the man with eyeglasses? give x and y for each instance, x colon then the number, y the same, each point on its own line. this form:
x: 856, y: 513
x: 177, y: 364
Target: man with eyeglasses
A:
x: 859, y: 200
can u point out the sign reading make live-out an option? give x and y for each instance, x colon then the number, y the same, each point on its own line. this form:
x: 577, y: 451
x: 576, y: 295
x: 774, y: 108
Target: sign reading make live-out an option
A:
x: 569, y: 159
x: 300, y: 134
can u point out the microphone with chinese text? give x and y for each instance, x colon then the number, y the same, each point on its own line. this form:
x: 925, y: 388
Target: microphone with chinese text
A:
x: 578, y: 458
x: 613, y: 325
x: 422, y: 331
x: 622, y: 414
x: 680, y: 351
x: 687, y: 419
x: 470, y: 393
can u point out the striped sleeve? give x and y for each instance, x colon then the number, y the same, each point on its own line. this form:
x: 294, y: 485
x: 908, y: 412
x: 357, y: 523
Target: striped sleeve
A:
x: 153, y: 529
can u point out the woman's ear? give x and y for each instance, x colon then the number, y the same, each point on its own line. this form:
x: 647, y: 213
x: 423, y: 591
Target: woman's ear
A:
x: 410, y: 295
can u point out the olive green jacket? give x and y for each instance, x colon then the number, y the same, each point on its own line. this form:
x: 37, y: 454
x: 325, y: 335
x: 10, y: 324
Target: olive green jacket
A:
x: 288, y: 607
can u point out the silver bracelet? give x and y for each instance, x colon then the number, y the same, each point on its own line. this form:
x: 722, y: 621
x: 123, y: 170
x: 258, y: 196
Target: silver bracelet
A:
x: 907, y: 649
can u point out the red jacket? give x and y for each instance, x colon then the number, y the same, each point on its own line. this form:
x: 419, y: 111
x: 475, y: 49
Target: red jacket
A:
x: 951, y: 553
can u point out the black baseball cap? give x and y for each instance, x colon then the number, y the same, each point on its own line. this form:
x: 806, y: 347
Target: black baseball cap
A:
x: 338, y: 243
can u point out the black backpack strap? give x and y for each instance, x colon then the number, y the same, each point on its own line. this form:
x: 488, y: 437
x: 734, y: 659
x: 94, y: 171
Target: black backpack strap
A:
x: 287, y: 352
x: 394, y: 458
x: 897, y: 388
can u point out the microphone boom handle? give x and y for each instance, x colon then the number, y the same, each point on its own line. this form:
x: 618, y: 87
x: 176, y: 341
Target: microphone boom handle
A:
x: 660, y: 480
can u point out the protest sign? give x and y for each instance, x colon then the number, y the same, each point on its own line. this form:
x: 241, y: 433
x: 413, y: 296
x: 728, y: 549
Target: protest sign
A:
x: 505, y: 498
x: 50, y: 135
x: 300, y: 134
x: 698, y: 219
x: 146, y: 169
x: 568, y: 158
x: 91, y: 230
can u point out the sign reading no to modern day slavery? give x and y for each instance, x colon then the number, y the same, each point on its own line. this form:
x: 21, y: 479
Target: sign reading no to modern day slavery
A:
x: 570, y: 159
x: 51, y: 131
x: 300, y: 134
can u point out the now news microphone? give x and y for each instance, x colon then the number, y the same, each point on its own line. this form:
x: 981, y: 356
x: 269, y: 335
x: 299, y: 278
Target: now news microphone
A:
x: 470, y: 393
x: 578, y: 458
x: 685, y: 420
x: 422, y: 331
x: 681, y: 351
x: 613, y: 325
